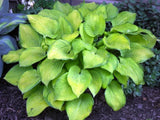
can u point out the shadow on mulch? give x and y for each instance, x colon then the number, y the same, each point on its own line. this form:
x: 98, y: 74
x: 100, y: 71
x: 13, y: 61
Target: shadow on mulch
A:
x: 146, y: 107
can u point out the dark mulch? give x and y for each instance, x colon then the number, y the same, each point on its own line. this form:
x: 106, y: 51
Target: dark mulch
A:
x: 146, y: 107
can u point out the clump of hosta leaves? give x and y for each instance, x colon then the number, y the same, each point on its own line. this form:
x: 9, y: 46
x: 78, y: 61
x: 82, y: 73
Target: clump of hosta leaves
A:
x: 66, y: 52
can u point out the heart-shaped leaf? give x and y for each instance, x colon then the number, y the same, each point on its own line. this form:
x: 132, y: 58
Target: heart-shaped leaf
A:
x: 28, y: 80
x: 80, y: 108
x: 93, y: 59
x: 137, y: 53
x: 111, y: 64
x: 48, y: 94
x: 115, y: 96
x: 62, y: 90
x: 94, y: 25
x: 78, y: 79
x: 29, y: 37
x: 12, y: 56
x: 124, y: 17
x: 15, y: 73
x: 31, y: 56
x: 50, y: 69
x: 125, y: 28
x: 61, y: 49
x: 117, y: 41
x: 36, y: 103
x: 44, y: 25
x: 96, y: 82
x: 128, y: 67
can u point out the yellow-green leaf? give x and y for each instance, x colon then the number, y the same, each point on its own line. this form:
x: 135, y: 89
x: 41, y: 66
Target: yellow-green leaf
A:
x: 62, y: 90
x: 14, y: 74
x: 50, y: 69
x: 112, y: 11
x: 117, y: 41
x: 36, y: 103
x: 80, y: 108
x: 115, y: 96
x: 44, y: 25
x: 28, y: 80
x: 31, y: 56
x: 138, y: 53
x: 128, y: 67
x: 12, y: 56
x: 70, y: 37
x: 78, y: 79
x: 124, y: 17
x: 28, y: 36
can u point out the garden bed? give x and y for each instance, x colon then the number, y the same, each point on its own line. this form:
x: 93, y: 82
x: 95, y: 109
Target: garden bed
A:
x: 146, y: 107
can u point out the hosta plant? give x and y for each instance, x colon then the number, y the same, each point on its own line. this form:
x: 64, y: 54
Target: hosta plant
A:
x: 67, y: 56
x: 8, y: 22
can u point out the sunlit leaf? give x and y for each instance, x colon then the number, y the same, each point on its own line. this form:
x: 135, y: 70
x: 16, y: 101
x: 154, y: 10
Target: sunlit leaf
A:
x: 94, y: 25
x: 80, y: 108
x: 62, y: 90
x: 70, y: 37
x: 61, y: 49
x: 111, y: 64
x: 115, y: 96
x: 112, y: 11
x: 117, y: 41
x: 124, y: 17
x: 50, y: 69
x: 125, y: 28
x: 128, y: 67
x: 78, y: 79
x: 138, y: 53
x: 28, y: 80
x: 15, y: 73
x: 101, y: 10
x: 74, y: 19
x: 12, y: 56
x: 31, y: 56
x: 121, y: 78
x: 36, y: 103
x: 96, y: 82
x: 44, y: 25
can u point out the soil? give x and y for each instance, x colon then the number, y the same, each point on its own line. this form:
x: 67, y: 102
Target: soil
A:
x: 146, y: 107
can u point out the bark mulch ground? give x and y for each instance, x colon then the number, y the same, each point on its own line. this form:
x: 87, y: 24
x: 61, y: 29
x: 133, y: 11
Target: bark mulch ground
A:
x: 146, y: 107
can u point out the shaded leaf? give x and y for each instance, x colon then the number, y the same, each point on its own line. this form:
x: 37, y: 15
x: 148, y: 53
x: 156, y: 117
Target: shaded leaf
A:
x: 112, y: 11
x: 121, y: 78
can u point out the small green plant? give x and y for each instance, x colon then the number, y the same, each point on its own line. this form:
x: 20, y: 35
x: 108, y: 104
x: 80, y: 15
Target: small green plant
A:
x: 8, y: 22
x: 67, y: 52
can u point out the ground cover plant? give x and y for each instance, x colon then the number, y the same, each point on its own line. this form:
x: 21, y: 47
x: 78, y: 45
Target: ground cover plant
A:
x: 8, y: 22
x: 67, y: 56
